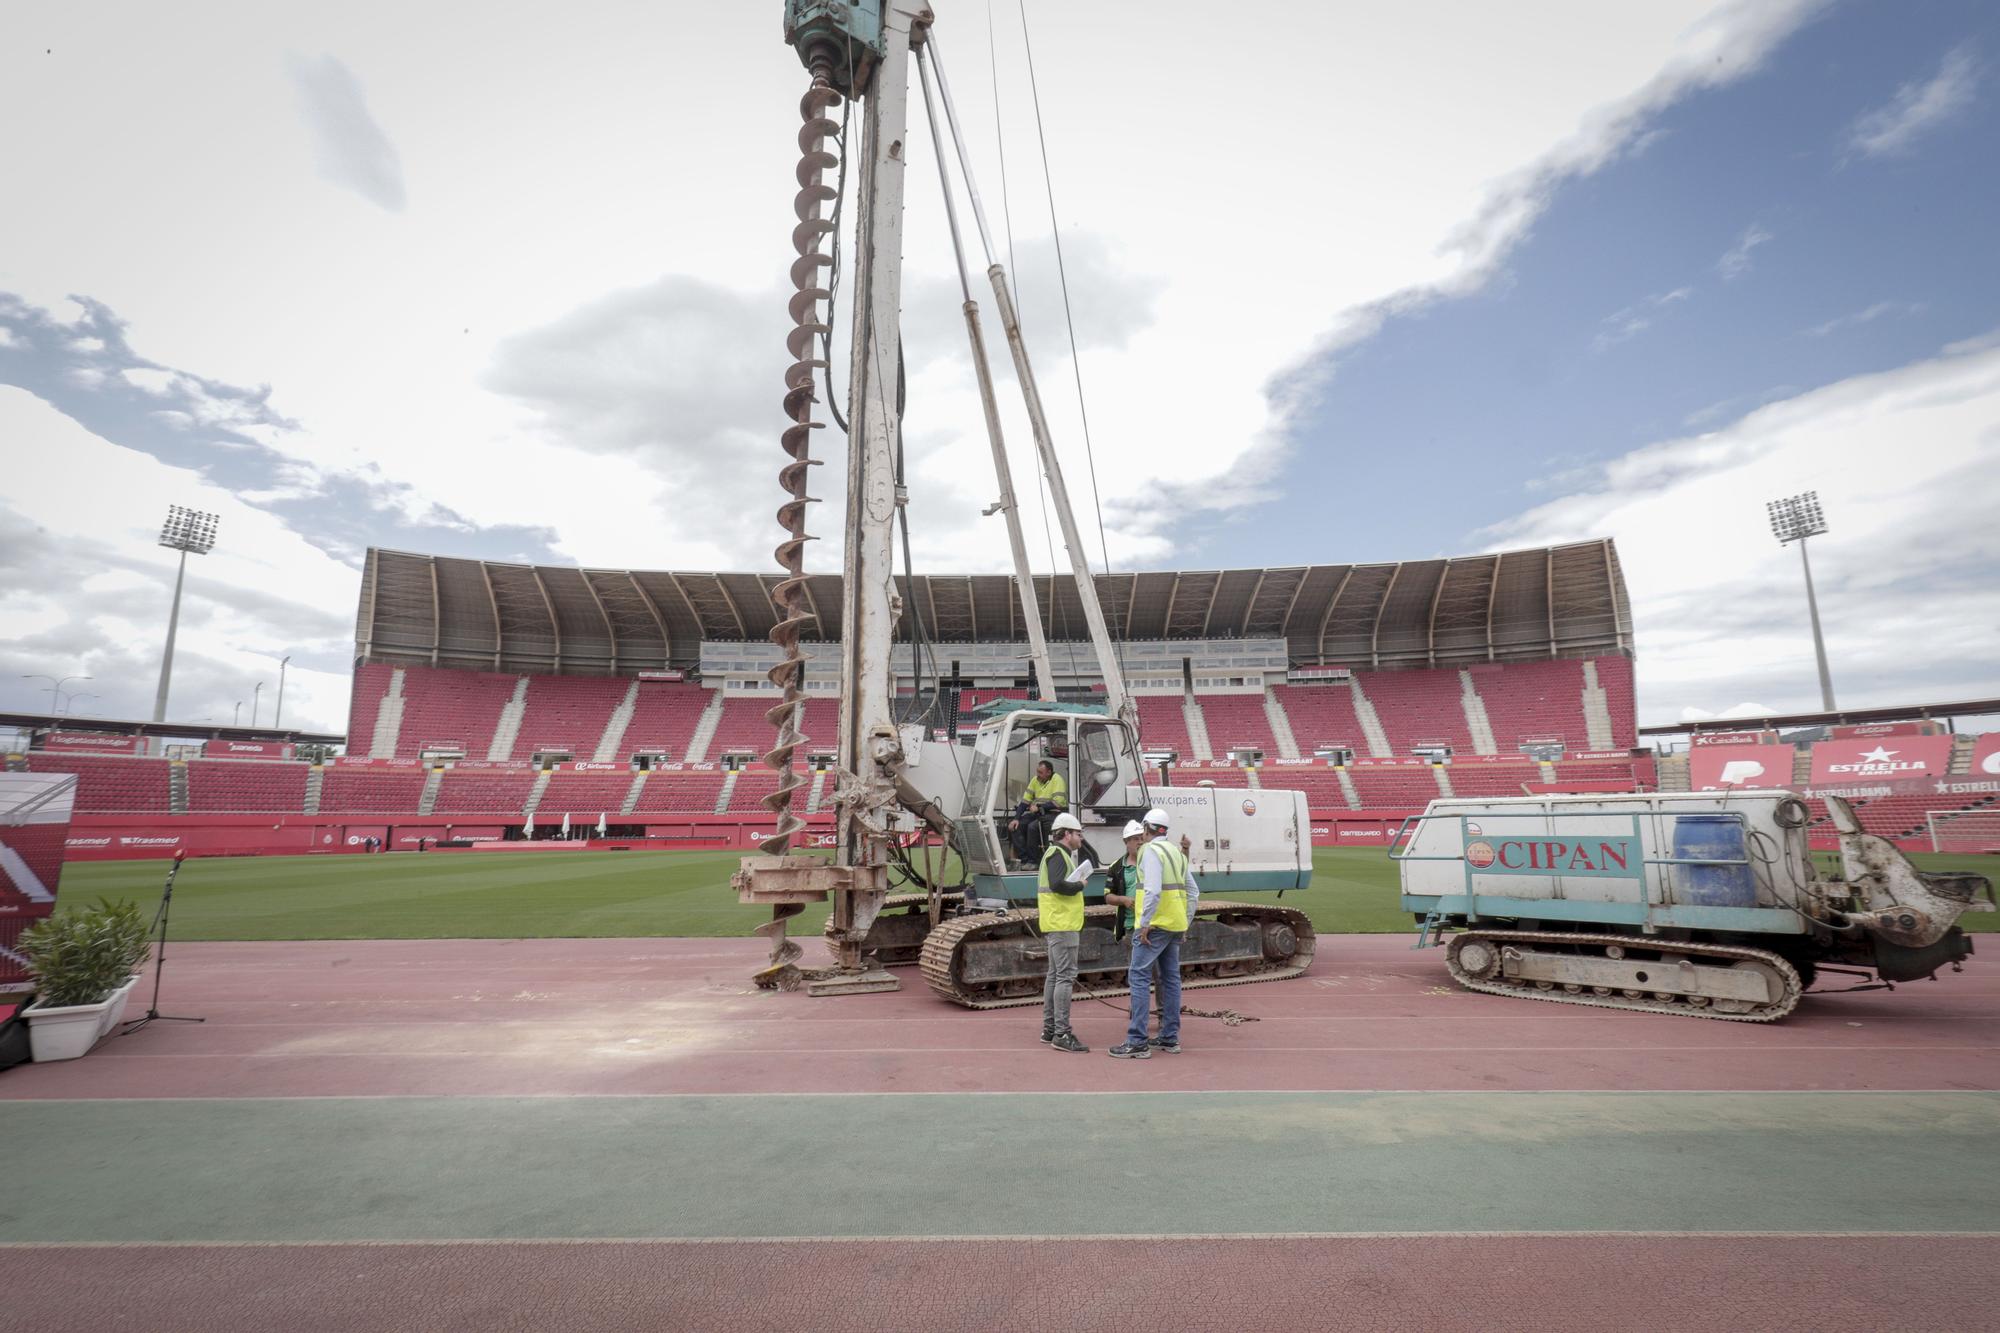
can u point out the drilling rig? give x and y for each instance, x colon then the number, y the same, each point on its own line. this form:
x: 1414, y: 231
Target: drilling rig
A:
x: 976, y: 942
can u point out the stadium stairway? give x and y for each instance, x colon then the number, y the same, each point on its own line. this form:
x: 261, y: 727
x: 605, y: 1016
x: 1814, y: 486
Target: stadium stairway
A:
x: 177, y: 787
x: 1802, y: 766
x: 1371, y: 724
x: 1597, y: 710
x: 631, y: 801
x: 536, y: 792
x: 1962, y: 746
x: 1281, y: 726
x: 1476, y: 721
x: 614, y: 728
x: 388, y: 729
x: 1197, y: 728
x: 1347, y: 787
x: 816, y: 791
x: 728, y: 789
x: 315, y: 778
x: 704, y: 729
x: 427, y: 802
x: 1673, y: 771
x: 508, y: 729
x: 1443, y: 776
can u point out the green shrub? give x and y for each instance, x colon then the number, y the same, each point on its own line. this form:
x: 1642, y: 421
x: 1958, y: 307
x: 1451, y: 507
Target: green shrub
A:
x: 81, y: 957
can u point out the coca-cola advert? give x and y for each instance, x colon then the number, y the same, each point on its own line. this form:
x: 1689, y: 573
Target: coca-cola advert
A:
x: 93, y: 742
x: 1883, y: 759
x: 1740, y: 766
x: 248, y: 750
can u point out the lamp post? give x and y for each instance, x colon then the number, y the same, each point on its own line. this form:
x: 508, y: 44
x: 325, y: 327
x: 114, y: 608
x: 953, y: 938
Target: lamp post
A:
x: 236, y: 718
x: 256, y: 701
x: 1793, y: 519
x: 68, y: 707
x: 55, y: 688
x: 278, y: 713
x: 191, y: 532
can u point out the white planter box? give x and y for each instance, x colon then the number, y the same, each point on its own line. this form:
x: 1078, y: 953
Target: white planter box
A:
x: 118, y: 1000
x: 70, y: 1032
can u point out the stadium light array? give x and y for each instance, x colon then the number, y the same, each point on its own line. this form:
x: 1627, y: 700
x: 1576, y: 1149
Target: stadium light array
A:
x: 1796, y: 517
x: 188, y: 530
x: 1793, y: 519
x: 191, y: 532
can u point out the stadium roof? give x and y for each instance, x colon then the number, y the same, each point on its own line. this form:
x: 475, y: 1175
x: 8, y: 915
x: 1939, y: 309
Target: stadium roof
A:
x: 1559, y: 601
x: 1940, y: 709
x: 180, y: 731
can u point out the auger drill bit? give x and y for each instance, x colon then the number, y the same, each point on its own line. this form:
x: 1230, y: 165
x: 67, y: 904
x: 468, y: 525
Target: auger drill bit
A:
x: 794, y: 613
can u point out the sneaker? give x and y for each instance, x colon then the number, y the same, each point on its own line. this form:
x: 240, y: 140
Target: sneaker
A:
x: 1066, y: 1041
x: 1048, y: 1036
x: 1170, y: 1047
x: 1127, y: 1051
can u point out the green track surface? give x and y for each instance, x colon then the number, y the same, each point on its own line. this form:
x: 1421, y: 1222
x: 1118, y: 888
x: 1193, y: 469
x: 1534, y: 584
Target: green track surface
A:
x: 410, y: 1168
x: 530, y: 895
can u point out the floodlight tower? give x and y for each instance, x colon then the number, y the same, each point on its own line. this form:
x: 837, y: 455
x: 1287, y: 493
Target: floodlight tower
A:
x: 1793, y: 519
x: 191, y: 532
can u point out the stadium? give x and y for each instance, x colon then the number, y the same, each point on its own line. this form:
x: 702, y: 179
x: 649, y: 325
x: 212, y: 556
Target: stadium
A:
x: 507, y: 707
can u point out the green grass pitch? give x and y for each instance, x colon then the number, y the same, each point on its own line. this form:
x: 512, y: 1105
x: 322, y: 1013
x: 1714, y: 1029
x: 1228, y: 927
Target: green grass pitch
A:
x: 530, y: 895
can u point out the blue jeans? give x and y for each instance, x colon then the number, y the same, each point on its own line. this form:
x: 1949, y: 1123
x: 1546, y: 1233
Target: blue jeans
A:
x: 1166, y: 951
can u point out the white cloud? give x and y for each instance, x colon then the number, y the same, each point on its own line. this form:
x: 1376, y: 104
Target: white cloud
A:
x: 1903, y: 462
x: 349, y: 146
x: 1918, y: 107
x: 1856, y: 318
x: 149, y: 379
x: 1736, y: 261
x: 1636, y: 318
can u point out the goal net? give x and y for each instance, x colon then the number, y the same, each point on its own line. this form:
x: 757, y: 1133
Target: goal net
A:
x: 1964, y: 830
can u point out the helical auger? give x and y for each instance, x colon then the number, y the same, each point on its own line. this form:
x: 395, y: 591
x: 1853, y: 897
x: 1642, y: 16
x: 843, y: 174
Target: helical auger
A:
x: 804, y: 343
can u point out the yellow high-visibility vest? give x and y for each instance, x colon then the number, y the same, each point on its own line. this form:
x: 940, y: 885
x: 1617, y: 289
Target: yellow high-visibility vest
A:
x: 1055, y: 791
x: 1170, y: 913
x: 1057, y: 911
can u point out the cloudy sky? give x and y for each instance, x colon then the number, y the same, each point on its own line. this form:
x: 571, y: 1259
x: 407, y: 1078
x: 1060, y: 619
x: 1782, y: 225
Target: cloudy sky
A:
x: 1373, y: 282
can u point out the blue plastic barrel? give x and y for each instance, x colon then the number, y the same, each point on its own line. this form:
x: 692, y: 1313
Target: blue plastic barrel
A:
x: 1711, y: 838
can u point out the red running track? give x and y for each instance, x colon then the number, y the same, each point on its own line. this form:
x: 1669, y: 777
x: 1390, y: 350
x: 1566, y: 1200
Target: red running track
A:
x: 621, y: 1016
x: 1491, y: 1283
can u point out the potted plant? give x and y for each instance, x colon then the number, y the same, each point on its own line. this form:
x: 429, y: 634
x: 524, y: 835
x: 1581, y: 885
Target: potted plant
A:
x: 84, y: 965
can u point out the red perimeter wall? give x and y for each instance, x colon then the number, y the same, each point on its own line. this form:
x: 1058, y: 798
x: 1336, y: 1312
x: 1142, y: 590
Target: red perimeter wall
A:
x: 140, y: 837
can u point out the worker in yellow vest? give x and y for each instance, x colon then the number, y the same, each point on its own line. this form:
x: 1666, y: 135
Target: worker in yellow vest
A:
x: 1045, y: 797
x: 1065, y: 870
x: 1167, y: 899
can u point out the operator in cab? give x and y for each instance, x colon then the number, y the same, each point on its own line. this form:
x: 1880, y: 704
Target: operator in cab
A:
x: 1065, y: 870
x: 1167, y: 899
x: 1045, y: 797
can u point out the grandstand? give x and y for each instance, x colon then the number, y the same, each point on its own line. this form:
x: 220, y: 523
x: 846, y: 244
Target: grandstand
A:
x: 494, y: 702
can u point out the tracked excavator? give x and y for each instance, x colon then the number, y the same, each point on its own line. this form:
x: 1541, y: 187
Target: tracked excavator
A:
x: 1703, y: 904
x: 975, y: 939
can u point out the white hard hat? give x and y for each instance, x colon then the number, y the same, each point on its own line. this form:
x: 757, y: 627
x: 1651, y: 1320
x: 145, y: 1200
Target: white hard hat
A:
x: 1134, y: 829
x: 1156, y: 817
x: 1065, y: 823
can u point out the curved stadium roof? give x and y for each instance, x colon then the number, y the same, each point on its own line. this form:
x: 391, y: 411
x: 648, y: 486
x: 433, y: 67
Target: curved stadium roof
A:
x: 1558, y: 601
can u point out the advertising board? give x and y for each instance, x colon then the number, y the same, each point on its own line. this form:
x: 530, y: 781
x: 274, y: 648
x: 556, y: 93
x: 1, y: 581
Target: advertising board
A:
x: 1740, y: 766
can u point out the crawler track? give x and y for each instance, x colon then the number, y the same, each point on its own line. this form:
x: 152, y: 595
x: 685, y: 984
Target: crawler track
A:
x: 998, y: 962
x: 1485, y: 971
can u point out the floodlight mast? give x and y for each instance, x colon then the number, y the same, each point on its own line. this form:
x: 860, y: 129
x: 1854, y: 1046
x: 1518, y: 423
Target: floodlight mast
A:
x: 191, y: 532
x: 1794, y: 519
